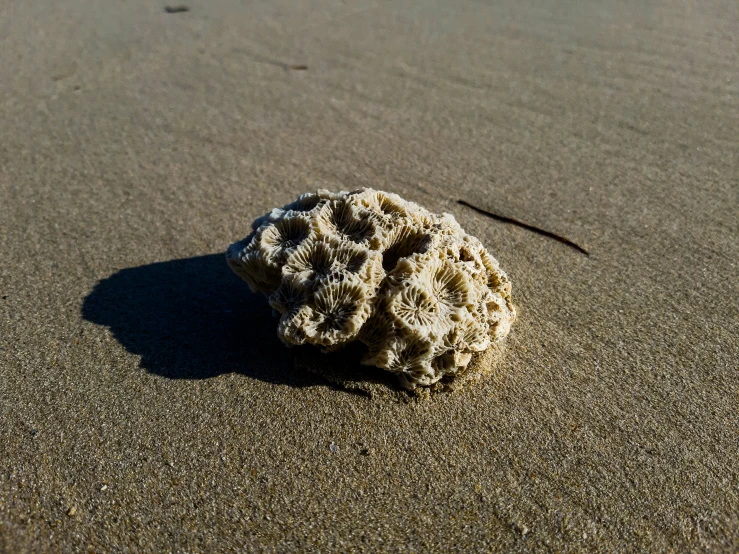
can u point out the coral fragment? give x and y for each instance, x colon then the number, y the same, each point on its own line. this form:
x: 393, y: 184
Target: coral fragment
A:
x: 366, y: 265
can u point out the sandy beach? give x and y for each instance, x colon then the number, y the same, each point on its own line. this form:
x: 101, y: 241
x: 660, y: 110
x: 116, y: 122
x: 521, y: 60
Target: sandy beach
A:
x: 146, y: 402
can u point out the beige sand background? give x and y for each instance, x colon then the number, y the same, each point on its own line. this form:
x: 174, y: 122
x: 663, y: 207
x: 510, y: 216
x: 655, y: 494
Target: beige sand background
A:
x: 142, y: 387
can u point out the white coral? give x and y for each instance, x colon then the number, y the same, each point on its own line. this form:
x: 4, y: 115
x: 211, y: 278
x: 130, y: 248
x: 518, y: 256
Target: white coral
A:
x: 419, y: 292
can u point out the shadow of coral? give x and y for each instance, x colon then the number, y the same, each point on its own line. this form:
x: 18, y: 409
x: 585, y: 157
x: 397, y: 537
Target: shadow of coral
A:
x: 194, y: 319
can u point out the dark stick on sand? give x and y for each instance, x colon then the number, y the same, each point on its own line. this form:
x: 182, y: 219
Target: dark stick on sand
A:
x: 525, y: 226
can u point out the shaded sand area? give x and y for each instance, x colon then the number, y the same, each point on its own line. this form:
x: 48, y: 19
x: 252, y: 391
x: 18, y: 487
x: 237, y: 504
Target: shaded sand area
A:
x: 147, y: 404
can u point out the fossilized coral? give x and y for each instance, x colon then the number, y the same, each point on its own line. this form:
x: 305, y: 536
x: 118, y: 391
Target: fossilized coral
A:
x: 419, y: 292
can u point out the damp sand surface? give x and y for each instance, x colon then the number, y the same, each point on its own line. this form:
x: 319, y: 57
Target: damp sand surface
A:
x: 146, y: 402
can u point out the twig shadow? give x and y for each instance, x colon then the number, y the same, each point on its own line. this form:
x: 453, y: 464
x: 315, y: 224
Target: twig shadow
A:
x: 194, y: 319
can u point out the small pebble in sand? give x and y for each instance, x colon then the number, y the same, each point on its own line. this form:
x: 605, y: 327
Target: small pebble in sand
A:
x: 334, y: 448
x: 72, y: 511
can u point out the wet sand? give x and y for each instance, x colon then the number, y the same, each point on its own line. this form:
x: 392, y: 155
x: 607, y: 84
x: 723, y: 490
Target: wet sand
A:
x: 147, y: 404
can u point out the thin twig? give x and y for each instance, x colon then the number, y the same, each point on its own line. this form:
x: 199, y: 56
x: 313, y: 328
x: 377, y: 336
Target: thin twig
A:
x: 525, y: 226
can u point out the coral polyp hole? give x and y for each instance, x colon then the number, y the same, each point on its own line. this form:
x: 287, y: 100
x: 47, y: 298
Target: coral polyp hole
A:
x: 388, y: 207
x: 338, y: 318
x: 292, y: 232
x: 357, y: 231
x: 356, y: 261
x: 414, y: 243
x: 410, y: 355
x: 348, y: 227
x: 288, y: 298
x: 305, y: 204
x: 320, y: 261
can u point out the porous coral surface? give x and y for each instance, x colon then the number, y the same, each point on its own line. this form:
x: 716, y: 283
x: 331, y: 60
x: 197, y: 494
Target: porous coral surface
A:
x: 366, y: 265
